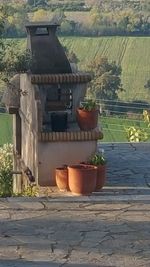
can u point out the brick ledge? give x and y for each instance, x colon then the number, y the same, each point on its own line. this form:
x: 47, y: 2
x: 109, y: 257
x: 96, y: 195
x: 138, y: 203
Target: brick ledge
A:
x: 70, y: 136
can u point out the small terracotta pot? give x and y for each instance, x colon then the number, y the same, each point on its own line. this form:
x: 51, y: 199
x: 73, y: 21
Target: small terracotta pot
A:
x: 101, y: 176
x: 62, y: 179
x: 82, y: 179
x: 87, y: 120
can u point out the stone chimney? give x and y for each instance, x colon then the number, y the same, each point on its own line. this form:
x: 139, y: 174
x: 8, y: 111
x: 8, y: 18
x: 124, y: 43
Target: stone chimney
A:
x: 48, y: 56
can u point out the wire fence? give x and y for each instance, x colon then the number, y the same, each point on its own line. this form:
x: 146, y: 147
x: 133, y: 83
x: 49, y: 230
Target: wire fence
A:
x: 116, y: 117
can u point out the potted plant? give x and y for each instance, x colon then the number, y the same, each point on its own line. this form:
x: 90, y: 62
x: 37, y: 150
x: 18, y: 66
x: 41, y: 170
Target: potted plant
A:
x: 82, y: 179
x: 99, y: 160
x: 87, y: 115
x: 62, y: 178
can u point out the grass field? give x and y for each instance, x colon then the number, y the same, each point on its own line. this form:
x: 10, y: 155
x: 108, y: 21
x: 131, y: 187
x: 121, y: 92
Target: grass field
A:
x: 133, y: 53
x: 5, y: 128
x: 113, y: 128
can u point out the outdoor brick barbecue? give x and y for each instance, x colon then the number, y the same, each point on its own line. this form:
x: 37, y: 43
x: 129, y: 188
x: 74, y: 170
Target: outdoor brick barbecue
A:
x: 51, y: 87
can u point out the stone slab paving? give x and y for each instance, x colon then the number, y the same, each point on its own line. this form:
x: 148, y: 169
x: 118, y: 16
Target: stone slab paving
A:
x: 110, y: 228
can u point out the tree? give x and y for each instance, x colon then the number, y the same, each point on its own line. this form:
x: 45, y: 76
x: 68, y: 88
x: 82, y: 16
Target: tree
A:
x: 2, y: 19
x: 15, y: 18
x: 13, y: 59
x: 147, y: 85
x: 72, y: 57
x: 106, y: 82
x: 66, y: 27
x: 36, y: 3
x: 58, y: 16
x: 20, y: 20
x: 39, y: 15
x: 146, y: 5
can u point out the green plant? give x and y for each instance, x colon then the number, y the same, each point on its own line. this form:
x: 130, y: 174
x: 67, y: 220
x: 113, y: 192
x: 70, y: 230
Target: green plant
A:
x: 13, y: 59
x: 6, y: 165
x: 30, y: 191
x: 89, y: 105
x: 136, y: 134
x: 146, y: 116
x: 98, y: 159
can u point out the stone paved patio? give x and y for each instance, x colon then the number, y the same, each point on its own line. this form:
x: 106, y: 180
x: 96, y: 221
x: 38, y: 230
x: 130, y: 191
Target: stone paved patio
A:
x: 110, y: 228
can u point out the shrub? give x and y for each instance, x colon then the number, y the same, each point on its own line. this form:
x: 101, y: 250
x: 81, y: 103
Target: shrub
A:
x: 6, y: 165
x: 98, y: 158
x: 30, y: 191
x: 136, y: 134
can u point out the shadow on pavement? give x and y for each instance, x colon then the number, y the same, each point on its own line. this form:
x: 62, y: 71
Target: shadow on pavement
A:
x: 24, y: 263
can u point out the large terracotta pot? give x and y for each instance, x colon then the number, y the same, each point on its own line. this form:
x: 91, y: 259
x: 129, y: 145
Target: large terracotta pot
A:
x: 82, y: 179
x: 62, y: 179
x: 87, y: 120
x: 101, y: 176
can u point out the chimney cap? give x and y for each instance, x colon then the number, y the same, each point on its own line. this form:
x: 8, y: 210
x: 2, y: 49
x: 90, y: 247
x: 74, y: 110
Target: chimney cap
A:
x: 41, y: 24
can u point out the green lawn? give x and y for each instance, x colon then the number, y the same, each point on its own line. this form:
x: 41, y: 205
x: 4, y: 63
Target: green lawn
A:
x: 5, y: 128
x: 114, y: 128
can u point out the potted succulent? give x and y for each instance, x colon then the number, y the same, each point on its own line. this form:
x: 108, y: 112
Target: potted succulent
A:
x: 87, y: 115
x: 82, y: 179
x: 99, y: 160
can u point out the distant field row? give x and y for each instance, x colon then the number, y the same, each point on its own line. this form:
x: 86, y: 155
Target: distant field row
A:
x: 133, y: 53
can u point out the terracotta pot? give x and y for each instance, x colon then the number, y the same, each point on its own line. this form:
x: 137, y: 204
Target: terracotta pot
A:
x: 87, y: 120
x: 82, y: 179
x: 62, y: 179
x: 101, y: 176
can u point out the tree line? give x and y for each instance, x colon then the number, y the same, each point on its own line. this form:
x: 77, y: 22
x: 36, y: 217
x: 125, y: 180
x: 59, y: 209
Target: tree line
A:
x: 103, y: 17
